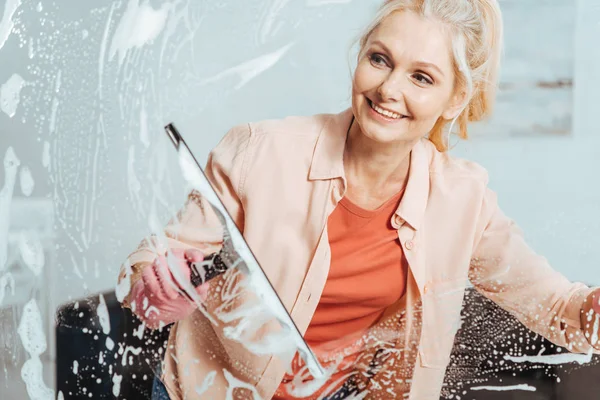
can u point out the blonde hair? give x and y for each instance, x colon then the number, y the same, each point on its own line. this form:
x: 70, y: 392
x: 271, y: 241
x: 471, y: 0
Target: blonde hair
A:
x: 476, y: 29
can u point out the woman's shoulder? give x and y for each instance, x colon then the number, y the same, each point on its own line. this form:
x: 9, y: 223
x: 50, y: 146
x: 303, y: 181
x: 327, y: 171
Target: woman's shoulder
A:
x: 243, y: 136
x: 304, y: 125
x: 445, y: 165
x: 262, y: 132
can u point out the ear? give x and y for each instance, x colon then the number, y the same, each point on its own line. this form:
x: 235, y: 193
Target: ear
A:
x: 455, y: 105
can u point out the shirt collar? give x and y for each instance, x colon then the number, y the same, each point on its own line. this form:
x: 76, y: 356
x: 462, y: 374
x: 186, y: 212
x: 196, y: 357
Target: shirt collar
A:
x: 328, y: 157
x: 413, y: 203
x: 328, y: 163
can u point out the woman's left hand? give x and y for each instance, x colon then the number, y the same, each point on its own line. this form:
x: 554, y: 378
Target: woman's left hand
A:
x: 590, y: 318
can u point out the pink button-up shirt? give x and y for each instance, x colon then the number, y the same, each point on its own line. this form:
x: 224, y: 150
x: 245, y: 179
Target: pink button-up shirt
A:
x: 280, y: 180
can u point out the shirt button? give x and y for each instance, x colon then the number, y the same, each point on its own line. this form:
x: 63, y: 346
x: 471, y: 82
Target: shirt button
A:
x: 397, y: 222
x: 409, y: 244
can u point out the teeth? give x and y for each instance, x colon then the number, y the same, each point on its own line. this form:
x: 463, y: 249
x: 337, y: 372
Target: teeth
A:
x: 383, y: 112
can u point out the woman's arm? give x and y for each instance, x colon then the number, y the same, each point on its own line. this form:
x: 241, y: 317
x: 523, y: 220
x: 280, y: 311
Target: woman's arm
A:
x: 507, y: 271
x: 590, y: 318
x: 196, y: 225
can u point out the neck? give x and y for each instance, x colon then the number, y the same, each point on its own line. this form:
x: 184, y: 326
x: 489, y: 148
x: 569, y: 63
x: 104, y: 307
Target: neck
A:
x: 375, y: 166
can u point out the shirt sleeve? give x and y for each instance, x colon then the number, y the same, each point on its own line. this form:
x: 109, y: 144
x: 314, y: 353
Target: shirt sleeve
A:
x: 507, y: 271
x: 196, y: 224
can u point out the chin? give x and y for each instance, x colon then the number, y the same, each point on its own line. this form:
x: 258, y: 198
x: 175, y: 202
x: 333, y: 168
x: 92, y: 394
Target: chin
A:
x: 381, y: 134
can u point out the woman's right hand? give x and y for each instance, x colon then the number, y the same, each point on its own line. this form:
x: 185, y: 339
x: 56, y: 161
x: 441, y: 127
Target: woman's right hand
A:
x: 158, y: 297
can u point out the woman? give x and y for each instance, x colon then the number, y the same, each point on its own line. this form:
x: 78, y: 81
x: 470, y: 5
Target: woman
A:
x: 366, y: 227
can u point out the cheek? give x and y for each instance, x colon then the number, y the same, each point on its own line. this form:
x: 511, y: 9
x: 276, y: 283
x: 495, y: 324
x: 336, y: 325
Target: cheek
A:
x: 365, y: 78
x: 358, y: 81
x: 425, y: 104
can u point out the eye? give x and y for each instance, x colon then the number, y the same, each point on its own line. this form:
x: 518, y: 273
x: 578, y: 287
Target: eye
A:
x: 422, y: 78
x: 377, y: 59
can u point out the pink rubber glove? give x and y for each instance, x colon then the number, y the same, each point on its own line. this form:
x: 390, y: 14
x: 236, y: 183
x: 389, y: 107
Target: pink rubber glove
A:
x: 165, y: 302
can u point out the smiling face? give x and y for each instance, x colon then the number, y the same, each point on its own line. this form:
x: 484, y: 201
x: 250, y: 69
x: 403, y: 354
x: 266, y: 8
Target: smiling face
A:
x: 404, y: 80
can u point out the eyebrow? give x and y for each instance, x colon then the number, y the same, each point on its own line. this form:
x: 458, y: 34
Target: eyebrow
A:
x: 419, y: 63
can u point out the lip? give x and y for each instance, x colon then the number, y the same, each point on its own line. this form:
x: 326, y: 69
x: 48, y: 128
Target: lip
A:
x: 380, y: 117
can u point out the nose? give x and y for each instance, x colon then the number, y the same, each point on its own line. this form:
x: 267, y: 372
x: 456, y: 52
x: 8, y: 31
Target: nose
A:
x: 390, y: 89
